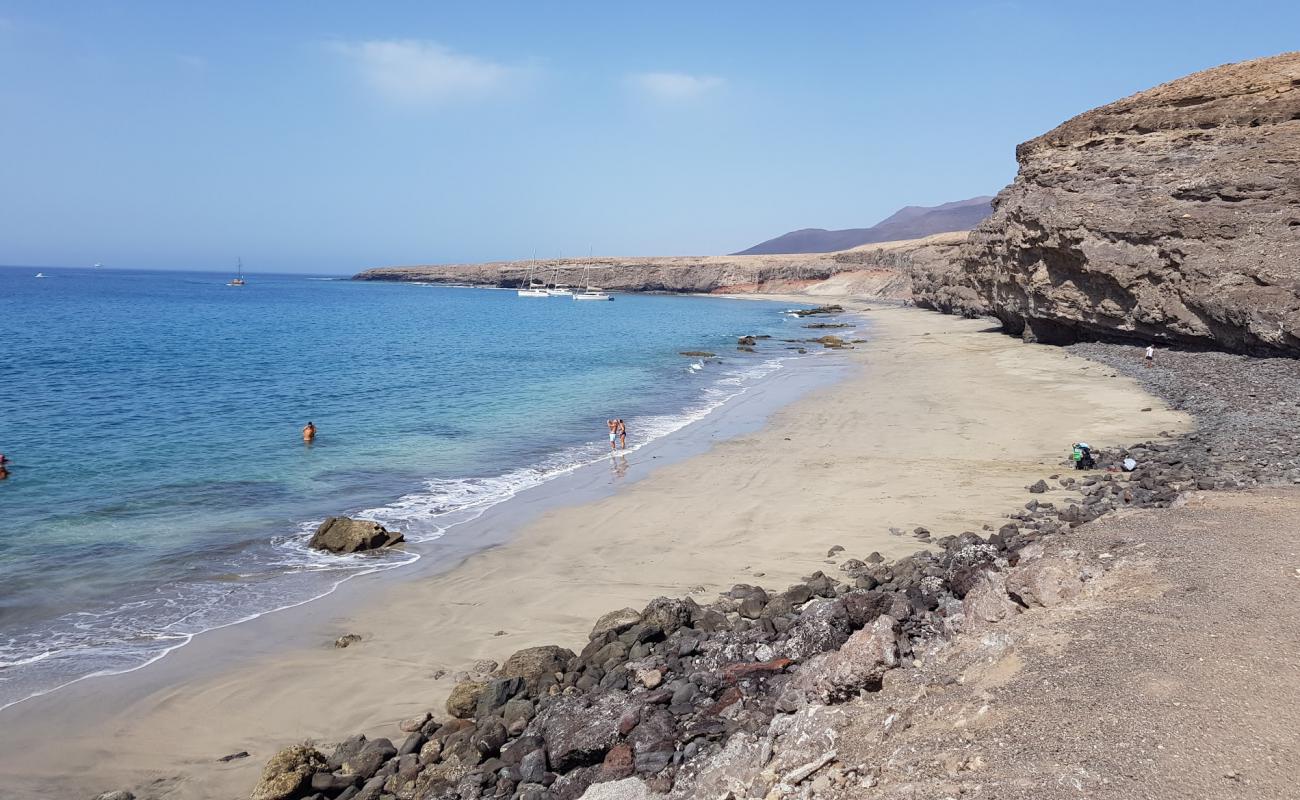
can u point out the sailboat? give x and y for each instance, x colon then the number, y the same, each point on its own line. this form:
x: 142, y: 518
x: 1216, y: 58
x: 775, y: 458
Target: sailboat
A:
x: 591, y: 292
x: 238, y: 280
x: 535, y: 287
x: 40, y: 275
x: 559, y: 289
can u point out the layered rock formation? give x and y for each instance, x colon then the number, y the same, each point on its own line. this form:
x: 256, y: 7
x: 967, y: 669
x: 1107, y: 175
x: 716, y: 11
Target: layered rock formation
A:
x: 883, y: 271
x: 931, y: 269
x: 1172, y: 215
x: 653, y: 274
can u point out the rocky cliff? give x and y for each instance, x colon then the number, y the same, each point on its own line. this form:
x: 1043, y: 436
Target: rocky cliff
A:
x: 1172, y: 215
x: 883, y: 271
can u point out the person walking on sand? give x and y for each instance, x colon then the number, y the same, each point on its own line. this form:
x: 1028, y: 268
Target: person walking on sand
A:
x: 1151, y: 355
x: 309, y: 432
x: 621, y: 430
x: 612, y: 424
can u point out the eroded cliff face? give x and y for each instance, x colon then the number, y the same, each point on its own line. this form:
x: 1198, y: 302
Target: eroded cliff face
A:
x: 1172, y: 215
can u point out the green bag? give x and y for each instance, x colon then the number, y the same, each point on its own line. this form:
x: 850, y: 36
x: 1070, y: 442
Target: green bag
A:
x: 1077, y: 455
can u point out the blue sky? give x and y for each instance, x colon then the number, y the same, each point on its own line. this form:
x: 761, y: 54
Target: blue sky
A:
x: 329, y: 137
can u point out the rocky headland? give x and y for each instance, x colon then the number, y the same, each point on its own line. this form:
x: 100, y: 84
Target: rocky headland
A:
x: 880, y: 271
x: 1172, y: 215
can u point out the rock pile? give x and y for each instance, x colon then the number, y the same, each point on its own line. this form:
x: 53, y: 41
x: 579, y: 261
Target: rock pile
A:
x: 657, y: 693
x: 661, y: 693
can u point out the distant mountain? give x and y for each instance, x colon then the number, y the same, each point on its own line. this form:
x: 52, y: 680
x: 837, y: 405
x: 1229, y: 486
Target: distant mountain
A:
x: 911, y: 222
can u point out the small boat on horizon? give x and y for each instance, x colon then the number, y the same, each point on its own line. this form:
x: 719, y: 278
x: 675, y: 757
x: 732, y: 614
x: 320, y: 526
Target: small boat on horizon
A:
x: 41, y: 275
x: 238, y: 280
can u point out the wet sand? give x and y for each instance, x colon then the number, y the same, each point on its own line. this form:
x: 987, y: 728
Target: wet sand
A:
x: 938, y: 422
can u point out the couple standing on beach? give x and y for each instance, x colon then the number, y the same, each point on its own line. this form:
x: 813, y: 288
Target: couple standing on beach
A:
x: 617, y: 434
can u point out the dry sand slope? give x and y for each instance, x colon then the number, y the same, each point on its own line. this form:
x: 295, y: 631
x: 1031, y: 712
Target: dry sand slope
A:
x: 941, y: 423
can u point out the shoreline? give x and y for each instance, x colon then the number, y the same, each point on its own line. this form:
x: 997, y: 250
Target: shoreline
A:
x: 298, y: 626
x: 614, y: 551
x: 731, y: 378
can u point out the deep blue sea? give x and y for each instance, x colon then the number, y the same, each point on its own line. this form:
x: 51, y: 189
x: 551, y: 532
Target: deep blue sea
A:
x: 158, y: 484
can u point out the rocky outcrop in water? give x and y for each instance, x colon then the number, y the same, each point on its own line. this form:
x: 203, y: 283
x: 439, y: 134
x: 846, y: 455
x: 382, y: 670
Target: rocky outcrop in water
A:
x: 346, y: 535
x: 1172, y: 215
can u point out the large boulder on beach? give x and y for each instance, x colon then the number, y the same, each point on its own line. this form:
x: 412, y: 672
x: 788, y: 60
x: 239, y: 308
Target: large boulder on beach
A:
x: 288, y: 773
x: 532, y: 664
x: 347, y: 535
x: 579, y: 729
x: 615, y: 622
x: 1172, y: 215
x: 860, y: 664
x: 462, y: 703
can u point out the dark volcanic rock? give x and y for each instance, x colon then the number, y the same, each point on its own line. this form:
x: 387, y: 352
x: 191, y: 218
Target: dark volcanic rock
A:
x: 1172, y: 215
x: 823, y: 625
x: 579, y: 729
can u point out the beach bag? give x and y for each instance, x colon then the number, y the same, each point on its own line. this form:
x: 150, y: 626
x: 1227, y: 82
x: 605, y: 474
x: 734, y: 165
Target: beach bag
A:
x: 1077, y: 454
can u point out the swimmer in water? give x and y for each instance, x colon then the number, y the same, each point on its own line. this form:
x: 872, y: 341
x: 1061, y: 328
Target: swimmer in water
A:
x: 309, y: 432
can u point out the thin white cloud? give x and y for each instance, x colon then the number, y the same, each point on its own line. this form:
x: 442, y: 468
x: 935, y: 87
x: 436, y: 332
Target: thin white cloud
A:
x: 422, y: 73
x: 673, y: 86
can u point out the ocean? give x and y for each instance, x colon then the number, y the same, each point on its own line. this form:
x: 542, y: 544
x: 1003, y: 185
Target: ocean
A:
x: 158, y: 484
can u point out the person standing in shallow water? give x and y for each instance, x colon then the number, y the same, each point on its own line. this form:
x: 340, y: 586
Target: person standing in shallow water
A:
x: 612, y: 424
x: 309, y: 433
x: 621, y: 429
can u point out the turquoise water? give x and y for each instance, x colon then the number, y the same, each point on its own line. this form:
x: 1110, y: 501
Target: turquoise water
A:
x: 159, y: 486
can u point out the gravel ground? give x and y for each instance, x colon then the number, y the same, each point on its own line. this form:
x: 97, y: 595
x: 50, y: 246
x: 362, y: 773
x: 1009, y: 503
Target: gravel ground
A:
x: 1176, y: 675
x: 1247, y: 409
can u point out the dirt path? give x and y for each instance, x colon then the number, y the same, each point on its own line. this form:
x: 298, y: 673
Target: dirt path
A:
x: 1176, y: 675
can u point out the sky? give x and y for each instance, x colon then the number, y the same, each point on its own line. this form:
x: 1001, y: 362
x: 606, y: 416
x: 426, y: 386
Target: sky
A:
x: 329, y: 137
